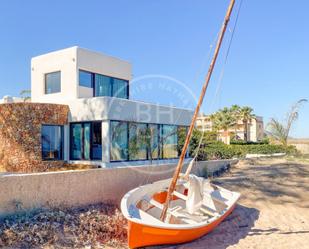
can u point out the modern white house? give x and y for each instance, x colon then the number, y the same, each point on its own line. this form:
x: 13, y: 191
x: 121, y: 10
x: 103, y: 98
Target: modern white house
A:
x: 105, y: 126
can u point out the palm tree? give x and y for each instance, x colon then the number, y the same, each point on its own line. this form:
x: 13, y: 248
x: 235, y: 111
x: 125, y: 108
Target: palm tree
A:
x: 246, y: 115
x: 224, y: 120
x: 280, y: 131
x: 235, y: 109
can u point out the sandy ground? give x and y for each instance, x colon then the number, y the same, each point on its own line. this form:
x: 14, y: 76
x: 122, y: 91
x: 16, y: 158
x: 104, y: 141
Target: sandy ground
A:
x: 273, y: 211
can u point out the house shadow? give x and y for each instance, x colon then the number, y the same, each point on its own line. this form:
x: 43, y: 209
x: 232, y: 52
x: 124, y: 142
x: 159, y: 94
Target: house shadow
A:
x: 235, y: 227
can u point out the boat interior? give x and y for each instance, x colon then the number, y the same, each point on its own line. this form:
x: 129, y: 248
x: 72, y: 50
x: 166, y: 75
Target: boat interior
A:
x: 215, y: 203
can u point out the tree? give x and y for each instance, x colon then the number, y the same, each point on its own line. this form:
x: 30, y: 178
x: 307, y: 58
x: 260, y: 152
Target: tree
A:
x: 280, y: 130
x: 198, y: 138
x: 235, y: 109
x: 224, y: 119
x: 246, y: 115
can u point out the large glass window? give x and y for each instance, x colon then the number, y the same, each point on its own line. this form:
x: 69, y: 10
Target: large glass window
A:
x: 120, y: 88
x: 86, y: 140
x: 181, y: 136
x: 138, y: 141
x: 52, y: 142
x: 153, y: 130
x: 53, y: 82
x: 119, y: 141
x: 76, y: 141
x: 85, y: 79
x: 169, y: 141
x: 103, y: 85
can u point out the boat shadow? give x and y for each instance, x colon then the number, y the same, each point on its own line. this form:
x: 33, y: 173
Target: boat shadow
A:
x: 235, y: 227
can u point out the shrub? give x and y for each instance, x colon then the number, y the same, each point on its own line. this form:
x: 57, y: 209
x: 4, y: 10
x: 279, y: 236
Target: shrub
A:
x: 211, y: 149
x: 207, y: 137
x: 243, y: 142
x: 222, y: 151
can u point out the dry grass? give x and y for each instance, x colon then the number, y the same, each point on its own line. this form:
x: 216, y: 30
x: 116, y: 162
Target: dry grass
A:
x: 64, y: 168
x: 96, y: 226
x: 74, y: 167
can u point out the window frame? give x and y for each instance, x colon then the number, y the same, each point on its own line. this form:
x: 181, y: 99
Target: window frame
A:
x: 45, y: 82
x: 61, y: 145
x: 92, y: 78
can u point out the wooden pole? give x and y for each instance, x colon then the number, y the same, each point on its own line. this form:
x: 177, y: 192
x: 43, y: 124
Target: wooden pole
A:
x: 196, y: 112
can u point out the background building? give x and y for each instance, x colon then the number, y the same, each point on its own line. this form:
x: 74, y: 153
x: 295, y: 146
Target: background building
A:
x: 255, y: 128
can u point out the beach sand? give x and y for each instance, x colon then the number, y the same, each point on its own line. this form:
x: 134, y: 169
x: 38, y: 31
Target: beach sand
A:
x: 273, y: 211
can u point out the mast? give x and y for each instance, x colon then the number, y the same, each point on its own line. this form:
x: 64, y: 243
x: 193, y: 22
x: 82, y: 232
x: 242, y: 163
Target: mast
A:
x: 196, y: 112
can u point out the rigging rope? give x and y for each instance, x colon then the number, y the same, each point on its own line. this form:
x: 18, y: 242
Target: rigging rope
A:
x: 219, y: 85
x: 196, y: 152
x: 220, y: 76
x: 200, y: 72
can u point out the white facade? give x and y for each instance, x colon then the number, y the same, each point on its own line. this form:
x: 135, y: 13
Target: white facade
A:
x: 84, y: 107
x: 69, y: 61
x: 256, y: 129
x: 109, y: 108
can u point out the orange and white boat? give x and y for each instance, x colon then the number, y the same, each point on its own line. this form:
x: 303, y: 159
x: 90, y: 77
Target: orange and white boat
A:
x: 142, y: 208
x: 185, y: 207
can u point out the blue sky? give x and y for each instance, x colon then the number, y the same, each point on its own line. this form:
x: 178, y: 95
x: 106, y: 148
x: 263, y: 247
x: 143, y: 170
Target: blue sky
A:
x: 267, y: 67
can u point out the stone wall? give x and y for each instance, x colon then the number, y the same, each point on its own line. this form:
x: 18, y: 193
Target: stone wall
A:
x: 20, y: 134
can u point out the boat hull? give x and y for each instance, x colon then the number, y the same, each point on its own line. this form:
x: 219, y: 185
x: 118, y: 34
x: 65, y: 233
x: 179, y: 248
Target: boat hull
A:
x: 140, y: 235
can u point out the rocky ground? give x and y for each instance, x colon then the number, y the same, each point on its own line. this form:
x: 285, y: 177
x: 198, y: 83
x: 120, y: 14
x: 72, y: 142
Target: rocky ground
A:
x: 97, y: 226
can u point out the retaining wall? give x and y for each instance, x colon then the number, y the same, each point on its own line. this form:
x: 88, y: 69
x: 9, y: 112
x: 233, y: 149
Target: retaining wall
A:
x: 22, y: 192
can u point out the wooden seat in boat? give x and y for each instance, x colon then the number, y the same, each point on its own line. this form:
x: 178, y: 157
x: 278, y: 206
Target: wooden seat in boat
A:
x: 177, y: 211
x: 214, y: 196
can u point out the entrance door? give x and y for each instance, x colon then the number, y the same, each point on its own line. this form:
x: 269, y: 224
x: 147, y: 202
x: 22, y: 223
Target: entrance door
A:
x: 86, y: 141
x: 96, y: 148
